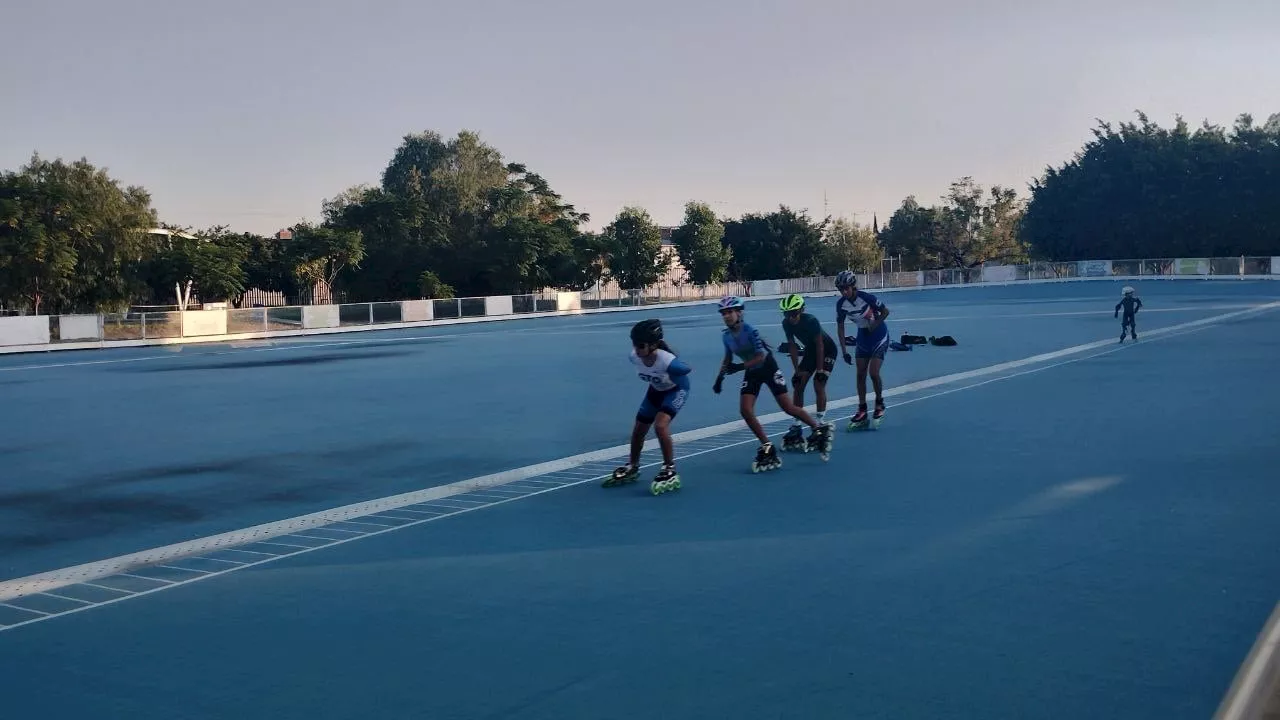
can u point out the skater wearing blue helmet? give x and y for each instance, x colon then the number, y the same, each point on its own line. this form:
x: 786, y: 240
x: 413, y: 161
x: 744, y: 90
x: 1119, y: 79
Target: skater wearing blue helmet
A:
x: 760, y: 369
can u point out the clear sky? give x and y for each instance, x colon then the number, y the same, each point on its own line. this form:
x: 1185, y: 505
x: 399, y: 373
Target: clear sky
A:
x: 249, y: 113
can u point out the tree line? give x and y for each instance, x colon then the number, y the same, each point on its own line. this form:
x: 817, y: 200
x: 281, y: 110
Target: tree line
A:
x: 453, y: 217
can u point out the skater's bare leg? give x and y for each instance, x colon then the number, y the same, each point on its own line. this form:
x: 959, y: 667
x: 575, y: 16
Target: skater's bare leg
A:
x: 795, y: 411
x: 820, y: 390
x: 662, y: 428
x: 862, y: 381
x: 874, y: 368
x: 747, y: 406
x: 802, y: 380
x: 638, y: 434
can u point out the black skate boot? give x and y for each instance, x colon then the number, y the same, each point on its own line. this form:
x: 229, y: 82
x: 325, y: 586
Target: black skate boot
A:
x: 667, y: 480
x: 622, y: 476
x: 766, y: 459
x: 794, y: 439
x: 820, y: 440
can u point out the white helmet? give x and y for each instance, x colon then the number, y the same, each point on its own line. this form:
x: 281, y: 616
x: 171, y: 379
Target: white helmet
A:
x: 1128, y: 290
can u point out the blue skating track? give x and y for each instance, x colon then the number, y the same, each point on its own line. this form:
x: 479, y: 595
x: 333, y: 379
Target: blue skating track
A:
x: 1048, y: 524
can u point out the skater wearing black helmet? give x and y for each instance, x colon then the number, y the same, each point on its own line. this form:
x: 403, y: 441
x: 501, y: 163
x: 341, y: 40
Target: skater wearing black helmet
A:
x: 668, y: 379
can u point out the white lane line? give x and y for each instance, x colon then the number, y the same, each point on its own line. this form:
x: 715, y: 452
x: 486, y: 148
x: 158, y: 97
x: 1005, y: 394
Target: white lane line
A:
x: 143, y: 577
x: 290, y: 344
x: 441, y: 496
x: 26, y: 610
x: 1258, y: 675
x: 68, y: 598
x: 106, y: 587
x: 182, y: 569
x: 776, y: 423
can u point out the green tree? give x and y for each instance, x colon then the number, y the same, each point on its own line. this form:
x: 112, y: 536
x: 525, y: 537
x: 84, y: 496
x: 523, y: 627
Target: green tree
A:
x: 402, y: 240
x: 267, y: 266
x: 636, y: 259
x: 699, y: 241
x: 781, y: 244
x: 433, y: 288
x: 850, y: 246
x: 585, y: 263
x: 969, y: 228
x: 210, y: 263
x: 454, y: 177
x: 753, y: 248
x: 1138, y: 190
x: 800, y: 242
x: 457, y: 209
x: 72, y: 237
x: 35, y: 262
x: 220, y: 264
x: 318, y: 253
x: 526, y: 236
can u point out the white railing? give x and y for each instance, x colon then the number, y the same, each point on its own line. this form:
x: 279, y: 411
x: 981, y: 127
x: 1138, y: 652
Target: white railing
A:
x: 26, y: 333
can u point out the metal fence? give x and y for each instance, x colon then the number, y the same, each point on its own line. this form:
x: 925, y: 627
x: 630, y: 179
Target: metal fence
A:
x: 154, y: 323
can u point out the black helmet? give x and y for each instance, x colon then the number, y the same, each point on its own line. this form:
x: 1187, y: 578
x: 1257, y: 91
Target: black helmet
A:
x: 646, y: 331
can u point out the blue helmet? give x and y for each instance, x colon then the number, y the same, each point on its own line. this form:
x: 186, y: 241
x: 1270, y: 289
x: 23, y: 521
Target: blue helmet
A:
x: 845, y: 279
x: 731, y: 302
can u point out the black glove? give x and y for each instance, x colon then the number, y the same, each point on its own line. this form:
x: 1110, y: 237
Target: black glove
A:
x: 719, y: 384
x: 848, y: 359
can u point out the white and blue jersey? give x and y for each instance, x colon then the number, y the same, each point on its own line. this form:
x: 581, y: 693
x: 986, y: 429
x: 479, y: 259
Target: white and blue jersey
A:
x: 668, y: 379
x: 867, y: 343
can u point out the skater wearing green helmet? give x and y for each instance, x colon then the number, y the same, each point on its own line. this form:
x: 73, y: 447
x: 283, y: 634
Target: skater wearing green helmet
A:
x: 817, y: 361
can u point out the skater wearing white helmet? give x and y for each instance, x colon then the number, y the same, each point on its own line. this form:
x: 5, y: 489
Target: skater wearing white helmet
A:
x: 1131, y: 304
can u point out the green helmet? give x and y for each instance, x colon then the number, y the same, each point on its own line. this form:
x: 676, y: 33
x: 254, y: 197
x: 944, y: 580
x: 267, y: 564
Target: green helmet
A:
x: 791, y: 303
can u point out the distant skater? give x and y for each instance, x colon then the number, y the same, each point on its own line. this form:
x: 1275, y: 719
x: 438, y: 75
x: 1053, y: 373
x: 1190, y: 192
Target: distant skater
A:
x: 1131, y: 304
